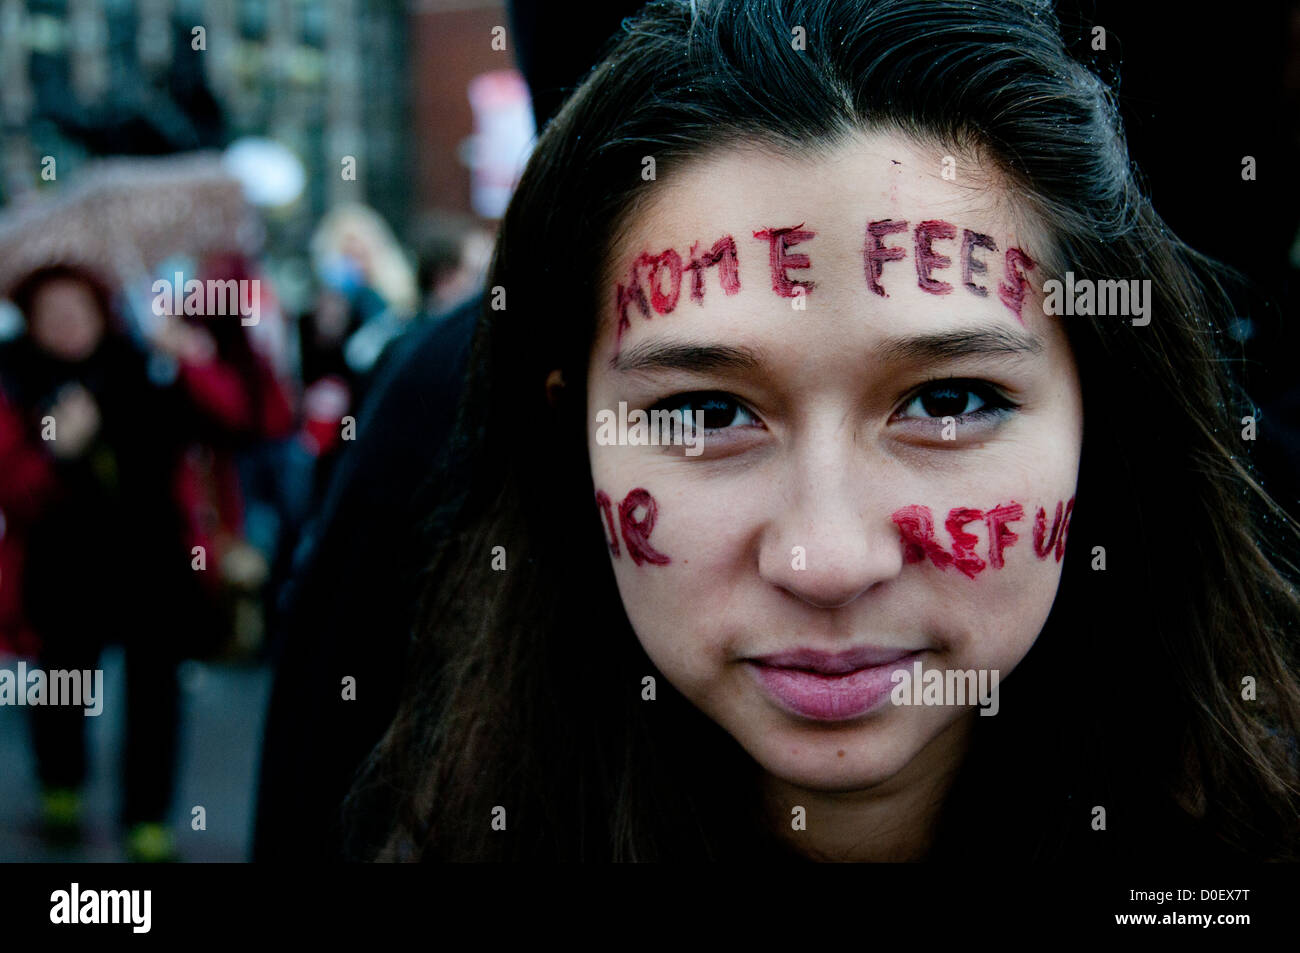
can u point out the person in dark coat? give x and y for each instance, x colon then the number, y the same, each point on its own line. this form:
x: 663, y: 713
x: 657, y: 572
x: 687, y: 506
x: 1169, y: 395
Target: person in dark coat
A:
x: 87, y: 454
x: 353, y: 598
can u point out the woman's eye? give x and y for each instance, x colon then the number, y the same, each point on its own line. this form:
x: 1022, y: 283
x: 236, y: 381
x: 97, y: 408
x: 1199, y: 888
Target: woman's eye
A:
x: 721, y: 411
x: 957, y: 399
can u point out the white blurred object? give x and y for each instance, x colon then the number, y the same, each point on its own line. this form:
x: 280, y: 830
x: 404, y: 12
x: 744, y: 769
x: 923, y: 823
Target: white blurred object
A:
x: 367, y: 343
x: 269, y: 172
x: 504, y: 131
x: 353, y: 247
x: 325, y: 399
x: 120, y: 217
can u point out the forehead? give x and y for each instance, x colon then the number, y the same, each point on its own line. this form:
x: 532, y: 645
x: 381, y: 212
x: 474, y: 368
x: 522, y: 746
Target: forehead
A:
x: 879, y: 227
x: 63, y: 287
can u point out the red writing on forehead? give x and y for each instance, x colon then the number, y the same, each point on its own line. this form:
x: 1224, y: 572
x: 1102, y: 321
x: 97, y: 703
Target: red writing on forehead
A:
x: 722, y: 254
x: 626, y: 295
x: 1012, y: 291
x: 917, y: 532
x: 970, y: 265
x: 779, y: 241
x: 927, y: 259
x: 875, y: 253
x: 653, y: 282
x: 636, y: 530
x: 671, y: 263
x: 661, y: 276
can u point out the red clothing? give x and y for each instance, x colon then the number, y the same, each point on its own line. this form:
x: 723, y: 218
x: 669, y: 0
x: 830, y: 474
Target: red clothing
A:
x: 27, y: 482
x: 220, y: 393
x: 207, y: 486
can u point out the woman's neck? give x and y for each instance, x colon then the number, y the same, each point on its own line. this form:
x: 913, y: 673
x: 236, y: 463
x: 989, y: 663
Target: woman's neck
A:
x: 892, y: 821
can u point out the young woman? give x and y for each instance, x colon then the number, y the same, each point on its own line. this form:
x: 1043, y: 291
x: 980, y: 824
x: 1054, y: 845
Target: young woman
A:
x: 832, y: 229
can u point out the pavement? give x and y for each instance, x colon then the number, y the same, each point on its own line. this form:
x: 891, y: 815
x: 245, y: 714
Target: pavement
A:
x: 223, y: 706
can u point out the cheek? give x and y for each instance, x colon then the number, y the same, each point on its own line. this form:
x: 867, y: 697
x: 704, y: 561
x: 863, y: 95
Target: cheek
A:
x: 993, y: 620
x: 43, y: 329
x: 666, y: 546
x: 980, y: 572
x: 984, y: 577
x: 90, y: 328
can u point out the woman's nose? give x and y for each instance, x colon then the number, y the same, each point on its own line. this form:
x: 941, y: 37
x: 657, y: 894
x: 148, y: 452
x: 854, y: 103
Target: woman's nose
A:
x: 826, y: 542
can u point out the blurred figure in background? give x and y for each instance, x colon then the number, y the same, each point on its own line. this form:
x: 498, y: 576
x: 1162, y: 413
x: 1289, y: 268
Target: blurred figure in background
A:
x: 355, y: 253
x: 330, y: 385
x: 322, y: 332
x: 366, y: 298
x: 242, y: 487
x: 102, y: 557
x: 357, y: 569
x: 453, y: 253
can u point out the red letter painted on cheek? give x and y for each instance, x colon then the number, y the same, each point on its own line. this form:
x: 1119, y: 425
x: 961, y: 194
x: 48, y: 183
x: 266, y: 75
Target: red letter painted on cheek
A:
x: 722, y: 254
x: 1000, y: 537
x: 1065, y: 526
x: 916, y: 527
x: 1043, y: 543
x: 781, y: 239
x: 875, y: 254
x: 1012, y: 291
x: 927, y: 259
x: 636, y: 533
x: 603, y: 501
x: 963, y: 543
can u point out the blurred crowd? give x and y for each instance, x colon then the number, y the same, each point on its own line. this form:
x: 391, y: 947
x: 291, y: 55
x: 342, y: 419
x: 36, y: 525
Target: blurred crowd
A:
x: 161, y: 455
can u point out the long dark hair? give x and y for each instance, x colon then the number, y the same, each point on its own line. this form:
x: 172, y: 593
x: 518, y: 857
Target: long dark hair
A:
x: 524, y: 685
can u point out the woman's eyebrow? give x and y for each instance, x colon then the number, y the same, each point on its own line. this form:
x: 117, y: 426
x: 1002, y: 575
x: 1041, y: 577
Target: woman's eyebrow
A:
x: 960, y: 342
x: 664, y: 355
x: 940, y: 345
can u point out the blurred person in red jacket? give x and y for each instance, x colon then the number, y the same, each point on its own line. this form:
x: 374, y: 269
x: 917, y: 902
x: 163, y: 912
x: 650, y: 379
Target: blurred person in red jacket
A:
x: 240, y: 489
x: 93, y: 541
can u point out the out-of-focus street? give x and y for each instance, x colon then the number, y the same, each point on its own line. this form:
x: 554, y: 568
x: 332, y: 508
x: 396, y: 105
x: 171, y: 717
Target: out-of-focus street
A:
x: 222, y: 711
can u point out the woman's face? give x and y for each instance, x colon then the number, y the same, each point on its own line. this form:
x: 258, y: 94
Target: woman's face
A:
x: 65, y: 319
x: 886, y: 409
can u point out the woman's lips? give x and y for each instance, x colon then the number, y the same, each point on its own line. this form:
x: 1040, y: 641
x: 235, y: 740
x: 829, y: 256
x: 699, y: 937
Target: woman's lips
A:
x: 825, y: 686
